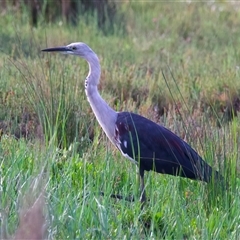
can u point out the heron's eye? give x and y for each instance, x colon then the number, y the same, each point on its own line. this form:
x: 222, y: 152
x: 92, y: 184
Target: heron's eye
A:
x: 74, y: 48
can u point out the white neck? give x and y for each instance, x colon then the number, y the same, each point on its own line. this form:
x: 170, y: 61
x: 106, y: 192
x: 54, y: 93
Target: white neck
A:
x: 105, y: 115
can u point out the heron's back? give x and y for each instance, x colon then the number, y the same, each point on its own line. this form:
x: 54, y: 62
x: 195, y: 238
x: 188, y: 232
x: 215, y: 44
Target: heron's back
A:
x: 156, y: 148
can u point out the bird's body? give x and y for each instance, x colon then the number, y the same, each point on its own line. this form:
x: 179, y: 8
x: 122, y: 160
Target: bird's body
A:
x: 156, y: 148
x: 149, y: 145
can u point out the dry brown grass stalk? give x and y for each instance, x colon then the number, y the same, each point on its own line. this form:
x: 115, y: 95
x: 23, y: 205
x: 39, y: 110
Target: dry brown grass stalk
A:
x: 32, y: 222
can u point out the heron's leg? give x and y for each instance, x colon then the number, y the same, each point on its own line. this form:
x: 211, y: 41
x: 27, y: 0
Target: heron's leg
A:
x: 142, y: 186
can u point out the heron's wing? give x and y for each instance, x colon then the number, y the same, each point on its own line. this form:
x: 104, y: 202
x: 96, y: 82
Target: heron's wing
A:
x: 156, y: 148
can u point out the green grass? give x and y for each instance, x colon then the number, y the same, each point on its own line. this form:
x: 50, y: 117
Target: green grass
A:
x: 66, y: 156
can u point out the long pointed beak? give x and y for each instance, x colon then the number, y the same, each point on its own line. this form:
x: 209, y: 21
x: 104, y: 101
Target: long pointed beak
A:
x: 57, y: 49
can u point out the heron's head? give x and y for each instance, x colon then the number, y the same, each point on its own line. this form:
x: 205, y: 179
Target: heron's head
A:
x: 79, y: 48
